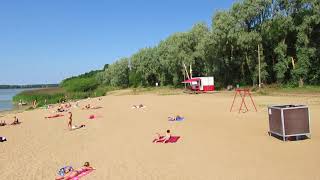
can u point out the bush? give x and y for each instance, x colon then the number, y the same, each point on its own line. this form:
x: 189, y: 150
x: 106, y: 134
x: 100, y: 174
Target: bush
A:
x: 81, y: 84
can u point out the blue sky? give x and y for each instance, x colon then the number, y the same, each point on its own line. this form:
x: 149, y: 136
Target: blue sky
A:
x: 44, y: 41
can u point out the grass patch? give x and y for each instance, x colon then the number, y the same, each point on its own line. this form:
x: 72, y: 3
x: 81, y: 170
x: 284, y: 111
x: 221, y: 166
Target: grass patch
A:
x: 56, y: 95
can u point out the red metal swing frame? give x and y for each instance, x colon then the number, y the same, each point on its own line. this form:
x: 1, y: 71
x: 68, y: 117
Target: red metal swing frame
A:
x: 243, y: 94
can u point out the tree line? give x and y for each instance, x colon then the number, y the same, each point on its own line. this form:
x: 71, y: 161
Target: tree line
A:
x: 278, y: 39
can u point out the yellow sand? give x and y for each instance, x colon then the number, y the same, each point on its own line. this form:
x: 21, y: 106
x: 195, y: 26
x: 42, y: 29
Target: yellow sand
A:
x: 214, y: 144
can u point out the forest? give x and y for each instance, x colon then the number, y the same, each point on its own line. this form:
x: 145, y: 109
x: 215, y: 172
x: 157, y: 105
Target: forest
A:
x: 278, y: 38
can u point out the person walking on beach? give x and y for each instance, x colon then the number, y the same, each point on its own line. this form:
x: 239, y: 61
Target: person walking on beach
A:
x: 70, y: 121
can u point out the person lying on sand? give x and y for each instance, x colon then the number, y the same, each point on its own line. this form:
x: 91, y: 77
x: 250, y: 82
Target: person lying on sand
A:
x: 54, y: 116
x: 70, y: 173
x: 15, y: 121
x: 3, y: 123
x: 138, y: 106
x: 77, y: 127
x: 176, y: 118
x: 88, y: 106
x: 163, y: 138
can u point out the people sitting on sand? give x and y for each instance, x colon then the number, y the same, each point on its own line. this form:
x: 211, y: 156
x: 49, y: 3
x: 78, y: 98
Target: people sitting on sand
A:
x: 70, y: 173
x: 88, y: 106
x: 175, y: 118
x: 60, y: 108
x: 164, y: 138
x: 138, y: 106
x: 2, y: 139
x: 67, y: 106
x: 15, y: 121
x: 3, y: 123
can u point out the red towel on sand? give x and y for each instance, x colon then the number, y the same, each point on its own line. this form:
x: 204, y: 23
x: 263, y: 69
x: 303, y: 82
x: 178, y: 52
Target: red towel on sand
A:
x: 81, y: 175
x: 173, y: 139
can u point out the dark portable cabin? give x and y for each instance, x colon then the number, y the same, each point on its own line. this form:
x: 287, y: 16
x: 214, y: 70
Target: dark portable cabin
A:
x: 289, y: 120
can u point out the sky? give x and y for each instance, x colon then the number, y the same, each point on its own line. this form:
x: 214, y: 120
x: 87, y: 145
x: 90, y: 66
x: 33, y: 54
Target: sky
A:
x: 44, y: 41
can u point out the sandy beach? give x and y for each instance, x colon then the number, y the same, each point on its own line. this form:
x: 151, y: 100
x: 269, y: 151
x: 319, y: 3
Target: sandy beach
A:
x: 215, y: 144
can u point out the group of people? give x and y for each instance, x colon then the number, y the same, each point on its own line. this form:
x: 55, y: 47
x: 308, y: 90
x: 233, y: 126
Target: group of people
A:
x: 15, y: 122
x: 138, y: 106
x: 64, y: 107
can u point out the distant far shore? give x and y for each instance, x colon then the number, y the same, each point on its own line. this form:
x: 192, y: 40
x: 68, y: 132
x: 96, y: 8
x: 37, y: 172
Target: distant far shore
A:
x: 29, y: 86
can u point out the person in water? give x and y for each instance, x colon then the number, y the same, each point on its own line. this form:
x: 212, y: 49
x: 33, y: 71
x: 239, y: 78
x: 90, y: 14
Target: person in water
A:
x: 70, y: 173
x: 163, y: 139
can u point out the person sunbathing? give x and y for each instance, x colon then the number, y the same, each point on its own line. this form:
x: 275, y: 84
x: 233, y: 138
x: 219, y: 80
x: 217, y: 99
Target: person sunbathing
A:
x: 77, y: 127
x: 70, y: 173
x: 15, y: 121
x: 3, y: 123
x: 138, y: 106
x: 163, y: 139
x: 54, y: 116
x: 176, y: 118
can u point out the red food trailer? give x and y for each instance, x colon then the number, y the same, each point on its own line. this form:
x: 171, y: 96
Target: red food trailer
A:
x: 200, y: 83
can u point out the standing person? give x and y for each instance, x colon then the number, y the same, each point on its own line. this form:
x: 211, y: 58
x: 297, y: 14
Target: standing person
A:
x: 34, y: 104
x: 70, y: 121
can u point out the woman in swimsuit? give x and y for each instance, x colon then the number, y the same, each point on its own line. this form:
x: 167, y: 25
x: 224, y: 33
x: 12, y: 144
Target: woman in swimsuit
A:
x: 74, y: 173
x: 163, y: 139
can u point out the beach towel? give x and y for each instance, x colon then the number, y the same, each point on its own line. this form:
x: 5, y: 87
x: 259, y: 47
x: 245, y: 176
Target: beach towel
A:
x: 55, y: 116
x: 2, y: 139
x: 92, y: 116
x: 82, y: 174
x: 176, y: 119
x: 179, y: 118
x: 173, y: 139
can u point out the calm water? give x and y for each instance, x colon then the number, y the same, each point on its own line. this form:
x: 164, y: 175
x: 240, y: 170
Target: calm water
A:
x: 6, y: 98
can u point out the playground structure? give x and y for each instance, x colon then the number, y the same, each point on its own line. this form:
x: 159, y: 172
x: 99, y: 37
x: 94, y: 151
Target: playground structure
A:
x: 243, y: 93
x: 198, y: 84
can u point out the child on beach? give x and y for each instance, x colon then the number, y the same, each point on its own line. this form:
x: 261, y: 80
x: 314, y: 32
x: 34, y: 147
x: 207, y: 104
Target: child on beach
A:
x: 163, y: 139
x: 70, y: 173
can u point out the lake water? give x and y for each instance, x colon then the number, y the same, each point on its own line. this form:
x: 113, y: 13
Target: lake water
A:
x: 6, y: 98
